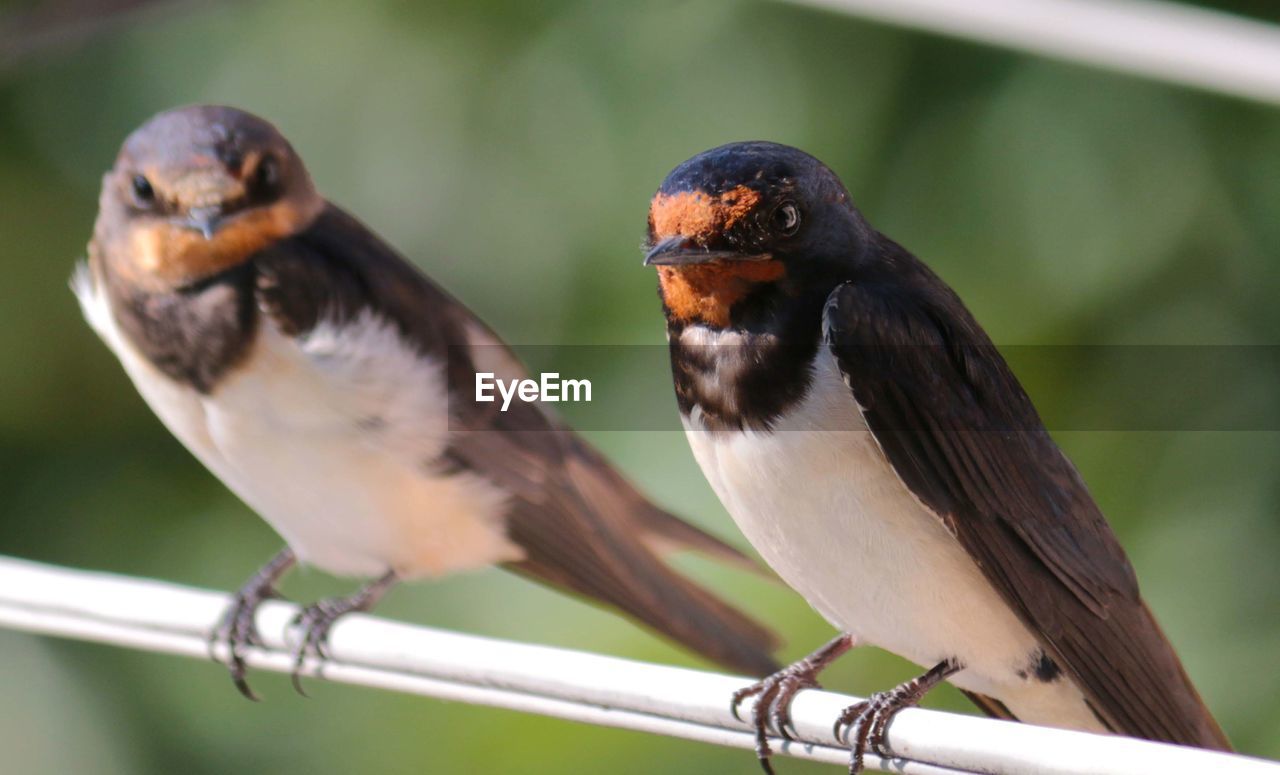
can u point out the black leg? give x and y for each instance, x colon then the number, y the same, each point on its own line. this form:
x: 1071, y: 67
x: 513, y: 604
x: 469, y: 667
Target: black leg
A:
x: 238, y: 628
x: 777, y: 691
x: 868, y: 720
x: 316, y: 620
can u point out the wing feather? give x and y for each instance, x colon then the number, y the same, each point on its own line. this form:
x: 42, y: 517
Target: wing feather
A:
x: 964, y: 437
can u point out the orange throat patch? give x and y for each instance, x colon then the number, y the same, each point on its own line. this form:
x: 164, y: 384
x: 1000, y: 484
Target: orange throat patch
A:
x: 706, y: 293
x: 164, y: 255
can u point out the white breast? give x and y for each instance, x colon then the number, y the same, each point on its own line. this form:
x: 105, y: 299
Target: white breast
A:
x: 821, y: 504
x: 332, y: 439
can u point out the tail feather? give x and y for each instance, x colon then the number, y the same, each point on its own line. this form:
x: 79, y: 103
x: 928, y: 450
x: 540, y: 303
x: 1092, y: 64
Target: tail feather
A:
x: 587, y: 534
x: 665, y: 533
x: 1207, y: 732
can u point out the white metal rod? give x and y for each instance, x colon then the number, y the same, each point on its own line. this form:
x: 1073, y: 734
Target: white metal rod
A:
x: 1166, y: 41
x: 157, y: 616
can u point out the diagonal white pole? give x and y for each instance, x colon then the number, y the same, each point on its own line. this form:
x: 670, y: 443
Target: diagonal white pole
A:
x: 157, y: 616
x: 1166, y: 41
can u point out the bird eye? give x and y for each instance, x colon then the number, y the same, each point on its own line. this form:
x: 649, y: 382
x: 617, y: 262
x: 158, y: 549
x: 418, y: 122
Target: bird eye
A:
x: 786, y: 218
x: 266, y: 178
x: 143, y: 193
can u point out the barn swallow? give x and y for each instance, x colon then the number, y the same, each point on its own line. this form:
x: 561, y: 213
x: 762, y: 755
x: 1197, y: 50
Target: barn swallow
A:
x: 324, y: 379
x: 875, y: 448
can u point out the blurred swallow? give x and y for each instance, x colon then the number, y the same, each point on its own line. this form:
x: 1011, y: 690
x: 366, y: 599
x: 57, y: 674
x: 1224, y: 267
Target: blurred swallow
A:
x: 310, y: 368
x: 875, y: 448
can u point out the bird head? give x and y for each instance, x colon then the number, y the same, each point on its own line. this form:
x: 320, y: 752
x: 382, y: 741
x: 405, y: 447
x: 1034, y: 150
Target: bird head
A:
x: 197, y: 190
x: 743, y: 217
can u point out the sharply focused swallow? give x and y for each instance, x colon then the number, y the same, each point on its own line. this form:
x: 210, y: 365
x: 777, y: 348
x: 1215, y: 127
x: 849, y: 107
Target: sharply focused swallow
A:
x: 325, y: 381
x: 875, y: 448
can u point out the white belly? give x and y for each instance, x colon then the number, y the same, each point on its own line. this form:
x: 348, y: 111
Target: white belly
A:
x: 821, y: 504
x: 332, y: 440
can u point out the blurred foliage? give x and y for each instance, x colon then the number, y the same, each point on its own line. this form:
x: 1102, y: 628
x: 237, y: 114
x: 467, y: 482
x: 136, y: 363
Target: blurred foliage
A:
x: 510, y: 148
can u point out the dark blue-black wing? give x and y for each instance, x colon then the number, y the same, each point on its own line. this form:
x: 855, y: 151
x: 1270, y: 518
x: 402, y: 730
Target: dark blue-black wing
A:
x: 962, y: 434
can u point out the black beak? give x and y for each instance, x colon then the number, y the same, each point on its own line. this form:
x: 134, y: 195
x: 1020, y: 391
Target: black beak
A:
x: 680, y: 251
x: 204, y: 220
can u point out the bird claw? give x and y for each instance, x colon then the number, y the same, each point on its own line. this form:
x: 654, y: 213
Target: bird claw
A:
x: 773, y: 705
x: 775, y: 693
x: 780, y: 708
x: 238, y: 628
x: 314, y: 624
x: 868, y: 721
x: 861, y: 719
x: 316, y: 621
x: 238, y: 631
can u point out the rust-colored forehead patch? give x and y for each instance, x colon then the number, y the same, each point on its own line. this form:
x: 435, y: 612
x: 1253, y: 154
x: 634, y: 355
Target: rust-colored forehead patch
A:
x: 698, y: 216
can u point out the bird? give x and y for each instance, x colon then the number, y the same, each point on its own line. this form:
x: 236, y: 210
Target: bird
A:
x: 877, y: 451
x: 328, y: 383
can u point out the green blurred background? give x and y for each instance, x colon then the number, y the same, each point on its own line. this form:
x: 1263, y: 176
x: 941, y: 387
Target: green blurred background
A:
x: 510, y: 149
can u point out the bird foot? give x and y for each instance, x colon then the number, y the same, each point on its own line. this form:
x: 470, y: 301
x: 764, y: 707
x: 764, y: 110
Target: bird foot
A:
x: 868, y: 721
x: 775, y: 693
x: 315, y: 622
x: 238, y: 629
